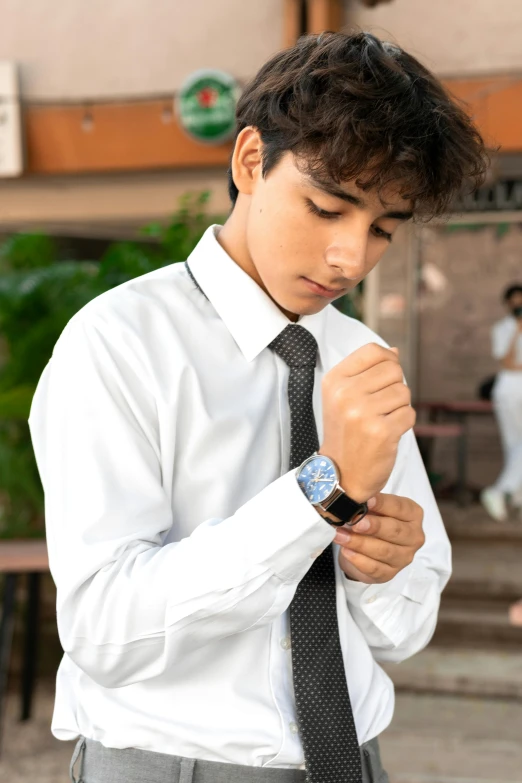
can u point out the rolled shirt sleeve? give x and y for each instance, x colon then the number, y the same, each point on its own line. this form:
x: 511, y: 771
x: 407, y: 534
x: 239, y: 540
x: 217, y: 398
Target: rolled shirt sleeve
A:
x: 129, y: 605
x: 398, y: 618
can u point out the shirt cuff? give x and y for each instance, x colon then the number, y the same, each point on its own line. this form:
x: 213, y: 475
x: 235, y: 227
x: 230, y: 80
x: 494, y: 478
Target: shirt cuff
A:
x: 290, y: 533
x: 382, y: 604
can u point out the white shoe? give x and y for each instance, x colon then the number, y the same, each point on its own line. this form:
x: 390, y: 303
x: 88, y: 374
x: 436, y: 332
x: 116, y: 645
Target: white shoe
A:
x: 494, y: 502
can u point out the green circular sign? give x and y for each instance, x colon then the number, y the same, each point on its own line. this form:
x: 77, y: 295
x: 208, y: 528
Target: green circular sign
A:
x: 206, y: 106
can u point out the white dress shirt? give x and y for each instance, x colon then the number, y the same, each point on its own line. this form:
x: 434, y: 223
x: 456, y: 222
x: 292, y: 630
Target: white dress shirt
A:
x: 177, y: 535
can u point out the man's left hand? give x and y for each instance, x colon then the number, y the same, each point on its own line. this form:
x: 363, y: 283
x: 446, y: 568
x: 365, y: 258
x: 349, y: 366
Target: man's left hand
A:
x: 383, y: 542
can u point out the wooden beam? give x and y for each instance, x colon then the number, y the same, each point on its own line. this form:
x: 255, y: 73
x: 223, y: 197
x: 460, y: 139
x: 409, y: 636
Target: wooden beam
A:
x: 137, y: 136
x: 292, y: 22
x: 495, y: 103
x: 324, y: 15
x: 112, y: 137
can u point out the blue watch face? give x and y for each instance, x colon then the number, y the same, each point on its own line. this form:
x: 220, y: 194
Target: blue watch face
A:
x: 317, y: 479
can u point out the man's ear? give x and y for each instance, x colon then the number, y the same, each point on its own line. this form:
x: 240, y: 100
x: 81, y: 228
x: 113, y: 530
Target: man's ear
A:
x: 246, y: 162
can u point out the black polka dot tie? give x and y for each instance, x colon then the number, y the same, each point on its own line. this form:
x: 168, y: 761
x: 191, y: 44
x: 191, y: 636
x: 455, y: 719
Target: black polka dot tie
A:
x: 324, y: 712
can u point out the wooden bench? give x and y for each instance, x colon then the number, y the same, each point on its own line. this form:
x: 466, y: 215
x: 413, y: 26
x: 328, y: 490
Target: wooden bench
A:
x: 456, y: 415
x: 428, y: 432
x: 16, y: 559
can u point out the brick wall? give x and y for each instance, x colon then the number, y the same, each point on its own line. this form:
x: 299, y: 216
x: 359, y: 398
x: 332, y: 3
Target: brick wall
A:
x: 463, y: 270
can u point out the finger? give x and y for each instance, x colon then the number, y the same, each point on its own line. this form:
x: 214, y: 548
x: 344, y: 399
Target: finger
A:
x: 381, y: 376
x: 363, y: 358
x: 373, y: 569
x: 397, y: 507
x: 390, y: 399
x: 402, y: 419
x: 393, y: 555
x: 385, y: 528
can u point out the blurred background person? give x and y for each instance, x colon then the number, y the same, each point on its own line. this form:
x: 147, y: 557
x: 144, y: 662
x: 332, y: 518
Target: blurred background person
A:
x: 506, y: 337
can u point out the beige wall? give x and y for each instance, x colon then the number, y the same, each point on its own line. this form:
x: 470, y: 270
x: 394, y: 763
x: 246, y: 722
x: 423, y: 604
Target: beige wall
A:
x: 76, y: 49
x: 97, y: 201
x: 453, y: 37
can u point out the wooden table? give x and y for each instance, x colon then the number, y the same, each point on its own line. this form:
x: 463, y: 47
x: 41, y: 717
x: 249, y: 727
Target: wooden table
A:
x: 457, y: 411
x: 466, y: 407
x: 18, y: 558
x: 463, y: 407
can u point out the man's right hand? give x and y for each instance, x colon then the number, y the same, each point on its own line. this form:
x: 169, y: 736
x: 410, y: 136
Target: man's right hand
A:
x: 366, y: 410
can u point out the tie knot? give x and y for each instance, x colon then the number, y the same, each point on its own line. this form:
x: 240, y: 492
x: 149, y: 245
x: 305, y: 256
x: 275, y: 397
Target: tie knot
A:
x: 296, y: 346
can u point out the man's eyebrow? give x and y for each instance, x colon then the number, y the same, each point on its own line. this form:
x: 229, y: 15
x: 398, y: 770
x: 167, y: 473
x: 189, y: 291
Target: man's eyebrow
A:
x: 398, y: 215
x: 331, y: 189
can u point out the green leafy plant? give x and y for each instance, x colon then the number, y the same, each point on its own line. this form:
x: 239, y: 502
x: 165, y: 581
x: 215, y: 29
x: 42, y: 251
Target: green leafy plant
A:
x: 38, y: 296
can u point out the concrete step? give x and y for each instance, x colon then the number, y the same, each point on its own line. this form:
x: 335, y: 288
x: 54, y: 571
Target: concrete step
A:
x: 474, y: 622
x: 486, y: 569
x: 471, y: 522
x: 448, y: 739
x: 462, y: 672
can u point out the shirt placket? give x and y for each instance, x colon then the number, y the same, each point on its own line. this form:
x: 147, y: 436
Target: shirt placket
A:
x: 280, y: 665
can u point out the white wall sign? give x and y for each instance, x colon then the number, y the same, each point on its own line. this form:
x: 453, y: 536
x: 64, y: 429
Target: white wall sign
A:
x: 11, y: 163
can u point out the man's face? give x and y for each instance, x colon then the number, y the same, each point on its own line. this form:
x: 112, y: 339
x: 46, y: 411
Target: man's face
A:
x: 302, y: 235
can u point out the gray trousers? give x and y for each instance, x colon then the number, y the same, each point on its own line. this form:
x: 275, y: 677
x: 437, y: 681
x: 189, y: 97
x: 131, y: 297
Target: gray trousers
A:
x: 97, y: 764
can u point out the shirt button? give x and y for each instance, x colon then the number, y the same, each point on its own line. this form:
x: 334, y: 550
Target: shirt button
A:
x: 371, y: 599
x: 316, y: 553
x: 294, y: 728
x: 286, y: 643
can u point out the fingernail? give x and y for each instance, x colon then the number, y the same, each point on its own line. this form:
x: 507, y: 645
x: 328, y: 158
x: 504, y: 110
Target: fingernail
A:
x: 363, y: 525
x: 342, y: 537
x: 372, y: 503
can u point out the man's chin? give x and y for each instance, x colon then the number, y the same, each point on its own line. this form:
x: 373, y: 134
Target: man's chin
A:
x: 300, y: 308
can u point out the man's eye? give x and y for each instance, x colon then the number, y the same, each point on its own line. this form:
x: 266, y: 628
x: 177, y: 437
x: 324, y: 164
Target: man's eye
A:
x: 315, y: 210
x: 379, y: 232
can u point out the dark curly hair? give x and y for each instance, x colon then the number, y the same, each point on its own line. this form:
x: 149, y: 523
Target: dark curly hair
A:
x: 514, y: 288
x: 351, y: 107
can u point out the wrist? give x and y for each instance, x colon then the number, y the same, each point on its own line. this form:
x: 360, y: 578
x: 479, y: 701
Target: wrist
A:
x: 359, y: 494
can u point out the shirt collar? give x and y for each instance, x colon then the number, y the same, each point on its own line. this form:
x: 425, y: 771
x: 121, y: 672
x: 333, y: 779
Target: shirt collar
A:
x: 249, y: 314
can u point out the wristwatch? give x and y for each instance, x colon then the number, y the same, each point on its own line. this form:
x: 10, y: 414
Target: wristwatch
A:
x: 318, y: 478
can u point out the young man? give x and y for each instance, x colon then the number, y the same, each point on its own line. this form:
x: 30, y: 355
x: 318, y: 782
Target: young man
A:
x: 223, y: 599
x: 507, y: 398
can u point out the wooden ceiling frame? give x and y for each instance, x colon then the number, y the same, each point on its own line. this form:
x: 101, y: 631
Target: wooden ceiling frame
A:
x: 324, y: 15
x: 294, y: 21
x: 310, y: 16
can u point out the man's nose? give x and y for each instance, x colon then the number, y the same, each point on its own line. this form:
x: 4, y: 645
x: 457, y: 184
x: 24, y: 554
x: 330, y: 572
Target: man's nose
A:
x: 348, y: 256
